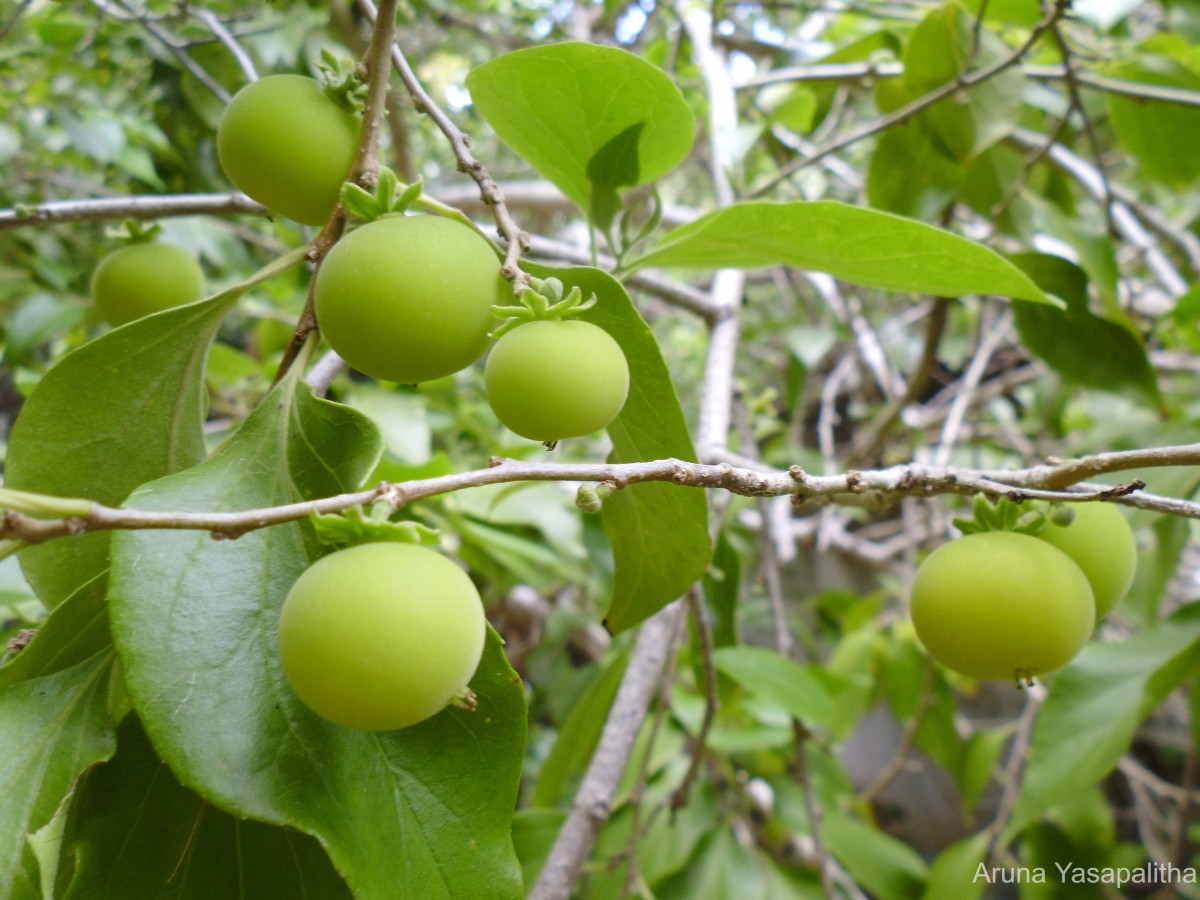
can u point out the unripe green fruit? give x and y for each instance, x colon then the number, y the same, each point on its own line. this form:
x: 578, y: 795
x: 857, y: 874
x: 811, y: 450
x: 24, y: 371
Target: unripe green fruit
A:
x: 554, y: 379
x: 1101, y: 542
x: 409, y: 298
x: 141, y: 279
x: 1001, y: 605
x: 285, y: 143
x: 381, y: 636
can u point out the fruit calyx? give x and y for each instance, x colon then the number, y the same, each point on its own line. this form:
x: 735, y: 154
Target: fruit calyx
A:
x: 1004, y: 515
x: 391, y: 197
x: 542, y: 300
x: 357, y: 526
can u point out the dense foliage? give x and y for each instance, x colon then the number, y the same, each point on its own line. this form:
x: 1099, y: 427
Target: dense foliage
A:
x: 873, y: 268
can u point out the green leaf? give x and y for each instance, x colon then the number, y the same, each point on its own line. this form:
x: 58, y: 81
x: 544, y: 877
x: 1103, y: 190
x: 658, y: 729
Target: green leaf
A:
x: 659, y: 531
x: 122, y: 410
x: 534, y: 833
x: 195, y: 623
x: 862, y: 246
x: 54, y: 728
x: 75, y: 630
x: 1160, y: 135
x: 884, y: 866
x: 1080, y: 346
x: 137, y: 832
x: 952, y: 875
x: 1095, y: 706
x: 780, y: 681
x: 930, y: 180
x: 721, y: 867
x: 579, y: 734
x: 942, y: 49
x: 589, y: 118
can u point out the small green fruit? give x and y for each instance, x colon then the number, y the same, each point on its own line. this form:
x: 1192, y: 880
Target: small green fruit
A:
x: 1101, y: 542
x: 1001, y: 605
x: 553, y: 379
x: 285, y: 143
x: 141, y: 279
x: 381, y: 636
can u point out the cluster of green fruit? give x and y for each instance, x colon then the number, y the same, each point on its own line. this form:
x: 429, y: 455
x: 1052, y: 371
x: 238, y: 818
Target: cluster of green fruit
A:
x: 383, y: 635
x: 401, y: 298
x: 1003, y: 604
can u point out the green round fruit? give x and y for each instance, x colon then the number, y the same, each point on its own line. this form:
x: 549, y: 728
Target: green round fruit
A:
x: 555, y: 379
x: 381, y: 636
x: 287, y: 144
x: 1001, y: 605
x: 141, y: 279
x: 409, y: 298
x: 1101, y: 542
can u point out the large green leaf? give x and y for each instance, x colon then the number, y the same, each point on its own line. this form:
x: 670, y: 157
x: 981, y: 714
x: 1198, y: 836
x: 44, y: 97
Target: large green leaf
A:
x: 888, y: 868
x: 862, y: 246
x: 1095, y: 706
x: 1160, y: 135
x: 54, y: 728
x: 424, y: 812
x: 945, y: 46
x: 592, y: 119
x: 137, y: 832
x: 911, y: 176
x: 780, y: 681
x: 118, y: 412
x: 1077, y: 344
x: 75, y: 630
x: 659, y: 531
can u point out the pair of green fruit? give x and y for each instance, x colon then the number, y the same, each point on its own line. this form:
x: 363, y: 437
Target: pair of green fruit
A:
x: 403, y: 298
x: 284, y: 142
x: 409, y: 299
x: 1004, y: 605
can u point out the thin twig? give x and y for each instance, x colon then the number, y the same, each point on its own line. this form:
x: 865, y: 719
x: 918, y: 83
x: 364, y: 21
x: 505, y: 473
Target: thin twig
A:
x: 364, y: 170
x: 1071, y: 80
x: 8, y: 26
x: 221, y: 33
x: 910, y: 109
x: 489, y: 190
x: 907, y: 739
x: 159, y: 33
x: 699, y: 615
x: 1011, y: 782
x: 136, y: 207
x: 593, y: 802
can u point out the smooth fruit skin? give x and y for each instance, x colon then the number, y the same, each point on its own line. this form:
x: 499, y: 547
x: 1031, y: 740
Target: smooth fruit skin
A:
x: 1101, y: 542
x: 1001, y: 605
x: 381, y: 636
x: 141, y: 279
x: 556, y: 379
x: 409, y: 298
x: 288, y: 145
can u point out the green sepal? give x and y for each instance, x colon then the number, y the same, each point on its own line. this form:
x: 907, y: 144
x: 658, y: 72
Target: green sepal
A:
x: 356, y: 526
x: 391, y: 198
x: 131, y: 231
x: 342, y: 83
x: 542, y: 300
x: 1003, y: 515
x: 360, y: 202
